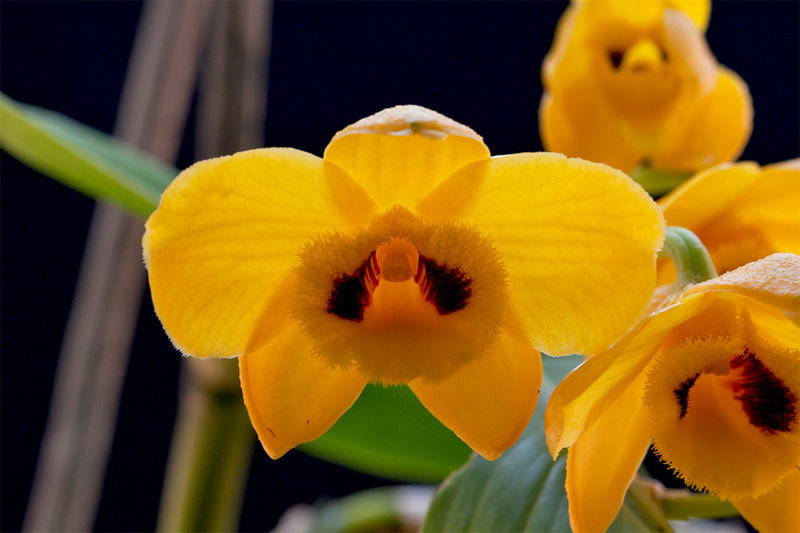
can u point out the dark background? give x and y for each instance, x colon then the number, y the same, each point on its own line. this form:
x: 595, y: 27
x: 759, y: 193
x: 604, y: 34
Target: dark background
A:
x: 331, y: 64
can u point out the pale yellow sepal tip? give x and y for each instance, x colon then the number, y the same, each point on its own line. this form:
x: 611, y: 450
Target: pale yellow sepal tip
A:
x: 409, y: 120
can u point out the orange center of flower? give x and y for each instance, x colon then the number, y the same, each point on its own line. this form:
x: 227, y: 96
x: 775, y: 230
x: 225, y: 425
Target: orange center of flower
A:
x: 395, y: 279
x: 402, y: 299
x: 768, y: 403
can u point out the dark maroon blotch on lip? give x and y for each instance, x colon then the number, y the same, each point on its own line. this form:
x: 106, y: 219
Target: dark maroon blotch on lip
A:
x: 615, y: 56
x: 350, y: 294
x: 448, y: 289
x: 682, y: 394
x: 767, y: 401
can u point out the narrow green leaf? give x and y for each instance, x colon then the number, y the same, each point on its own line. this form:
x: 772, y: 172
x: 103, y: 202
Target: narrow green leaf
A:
x: 82, y: 158
x: 390, y: 434
x: 524, y: 489
x: 122, y: 156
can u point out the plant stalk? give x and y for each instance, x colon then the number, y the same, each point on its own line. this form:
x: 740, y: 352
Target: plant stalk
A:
x: 96, y: 346
x: 658, y: 182
x: 211, y: 451
x: 692, y: 262
x: 213, y: 440
x: 683, y: 505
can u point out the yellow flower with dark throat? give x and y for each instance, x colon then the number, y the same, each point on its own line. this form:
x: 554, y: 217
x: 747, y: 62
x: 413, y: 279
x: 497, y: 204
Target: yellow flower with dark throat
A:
x: 741, y: 212
x: 631, y: 83
x: 406, y: 255
x: 712, y: 377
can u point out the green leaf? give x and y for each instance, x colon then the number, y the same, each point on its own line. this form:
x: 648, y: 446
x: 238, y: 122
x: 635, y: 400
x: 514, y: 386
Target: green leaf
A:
x: 524, y: 490
x: 80, y: 157
x: 389, y: 433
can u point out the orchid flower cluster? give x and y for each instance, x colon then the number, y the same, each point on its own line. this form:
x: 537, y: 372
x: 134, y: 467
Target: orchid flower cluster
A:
x: 409, y: 255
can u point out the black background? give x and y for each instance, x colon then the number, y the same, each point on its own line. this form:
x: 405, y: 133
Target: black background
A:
x: 332, y: 63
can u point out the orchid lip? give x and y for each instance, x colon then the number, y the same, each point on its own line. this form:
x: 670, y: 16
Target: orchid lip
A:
x: 768, y: 403
x: 403, y: 298
x: 398, y: 261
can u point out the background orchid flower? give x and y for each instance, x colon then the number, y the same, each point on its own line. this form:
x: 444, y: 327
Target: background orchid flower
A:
x: 405, y: 256
x: 713, y: 378
x: 632, y: 83
x: 741, y: 212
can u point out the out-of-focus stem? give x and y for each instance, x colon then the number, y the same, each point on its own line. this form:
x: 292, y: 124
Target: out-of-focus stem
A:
x: 96, y: 346
x: 213, y: 440
x: 380, y: 509
x: 658, y: 182
x: 683, y: 505
x: 211, y: 450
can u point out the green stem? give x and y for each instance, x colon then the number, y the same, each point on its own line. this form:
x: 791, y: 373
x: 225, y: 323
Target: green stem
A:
x: 691, y: 259
x: 682, y: 505
x: 211, y: 451
x: 397, y: 508
x: 658, y: 182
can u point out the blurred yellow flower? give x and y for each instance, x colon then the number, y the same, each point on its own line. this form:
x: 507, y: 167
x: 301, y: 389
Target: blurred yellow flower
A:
x: 740, y: 211
x: 712, y: 376
x: 405, y: 255
x: 630, y: 83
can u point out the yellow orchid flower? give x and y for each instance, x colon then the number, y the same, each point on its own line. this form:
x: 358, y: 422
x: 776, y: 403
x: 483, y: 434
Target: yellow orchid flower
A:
x: 628, y: 83
x: 712, y: 376
x: 740, y: 211
x: 406, y: 255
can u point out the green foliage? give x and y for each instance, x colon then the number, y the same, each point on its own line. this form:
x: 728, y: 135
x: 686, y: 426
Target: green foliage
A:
x: 83, y: 158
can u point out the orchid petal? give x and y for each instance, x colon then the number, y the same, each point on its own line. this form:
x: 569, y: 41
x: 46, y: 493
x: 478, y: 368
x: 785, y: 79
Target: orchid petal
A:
x: 228, y: 229
x: 578, y: 240
x: 707, y: 195
x: 489, y: 402
x: 401, y: 153
x: 772, y: 204
x: 592, y: 388
x: 774, y: 280
x: 723, y: 398
x: 776, y: 510
x: 611, y: 450
x: 291, y: 395
x: 717, y: 132
x: 698, y: 10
